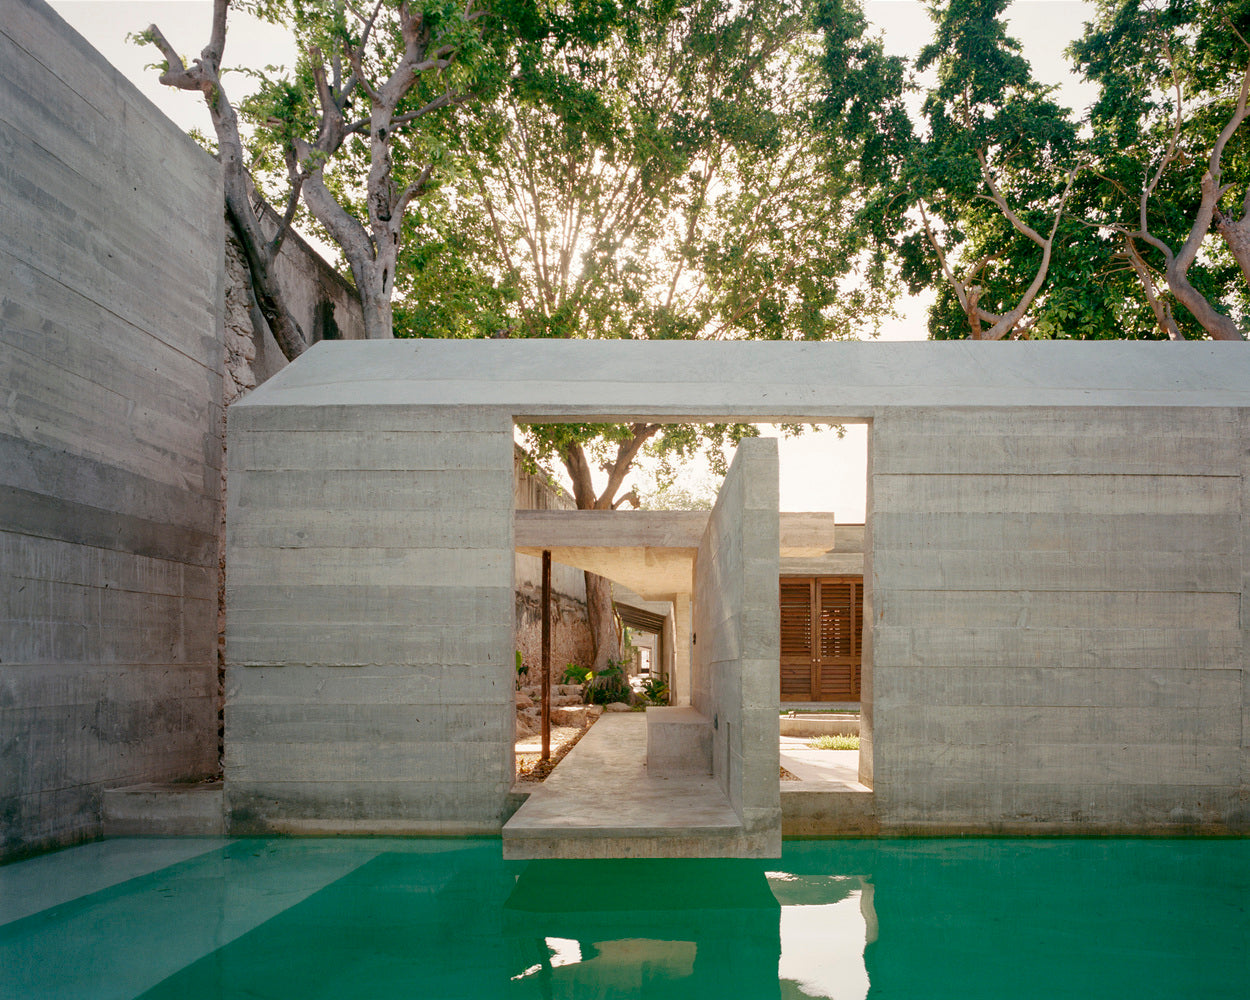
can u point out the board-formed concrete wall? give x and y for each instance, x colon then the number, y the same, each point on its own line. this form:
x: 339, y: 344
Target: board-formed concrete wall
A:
x: 370, y: 619
x: 1059, y: 640
x: 1056, y: 588
x: 111, y: 279
x: 735, y: 677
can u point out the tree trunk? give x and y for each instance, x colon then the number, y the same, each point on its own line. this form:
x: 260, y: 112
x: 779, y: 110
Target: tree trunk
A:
x: 374, y: 281
x: 1163, y: 312
x: 602, y: 621
x: 1236, y: 233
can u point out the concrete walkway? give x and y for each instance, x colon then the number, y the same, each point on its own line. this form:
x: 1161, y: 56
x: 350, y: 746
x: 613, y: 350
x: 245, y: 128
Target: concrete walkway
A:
x: 828, y: 799
x: 601, y: 803
x: 838, y: 769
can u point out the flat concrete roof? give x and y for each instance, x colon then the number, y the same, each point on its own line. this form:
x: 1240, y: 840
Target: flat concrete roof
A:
x: 673, y: 381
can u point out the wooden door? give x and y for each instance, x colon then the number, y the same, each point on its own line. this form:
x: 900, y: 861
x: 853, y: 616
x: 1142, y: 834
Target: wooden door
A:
x: 821, y: 638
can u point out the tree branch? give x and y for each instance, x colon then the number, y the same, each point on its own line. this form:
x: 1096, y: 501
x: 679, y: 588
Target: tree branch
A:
x: 996, y: 196
x: 176, y: 74
x: 625, y: 455
x: 1162, y: 311
x: 1010, y: 318
x: 413, y: 189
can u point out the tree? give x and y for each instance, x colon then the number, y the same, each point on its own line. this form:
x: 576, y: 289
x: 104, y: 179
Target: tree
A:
x: 1173, y: 155
x: 664, y: 182
x: 367, y: 72
x: 259, y: 248
x: 991, y: 179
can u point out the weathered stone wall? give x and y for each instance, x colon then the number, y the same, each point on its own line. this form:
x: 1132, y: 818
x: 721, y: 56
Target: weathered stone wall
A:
x: 322, y: 301
x: 735, y: 672
x: 1059, y: 635
x: 370, y: 618
x: 111, y: 285
x: 571, y: 638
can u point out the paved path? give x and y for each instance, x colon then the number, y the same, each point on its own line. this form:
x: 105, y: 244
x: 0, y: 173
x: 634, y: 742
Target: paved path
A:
x: 602, y: 792
x: 838, y: 769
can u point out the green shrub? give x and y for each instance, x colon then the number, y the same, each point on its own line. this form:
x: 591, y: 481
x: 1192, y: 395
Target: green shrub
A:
x: 607, y: 686
x: 574, y: 674
x: 655, y: 689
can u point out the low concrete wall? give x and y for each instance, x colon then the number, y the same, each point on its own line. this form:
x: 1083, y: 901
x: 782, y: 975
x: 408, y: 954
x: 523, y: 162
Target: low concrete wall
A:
x: 735, y: 673
x: 111, y: 282
x: 1056, y: 590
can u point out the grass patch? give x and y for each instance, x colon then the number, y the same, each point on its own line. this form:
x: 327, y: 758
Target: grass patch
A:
x: 835, y: 743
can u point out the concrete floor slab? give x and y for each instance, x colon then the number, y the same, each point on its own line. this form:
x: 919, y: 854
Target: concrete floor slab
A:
x: 839, y: 769
x: 828, y: 800
x: 601, y: 802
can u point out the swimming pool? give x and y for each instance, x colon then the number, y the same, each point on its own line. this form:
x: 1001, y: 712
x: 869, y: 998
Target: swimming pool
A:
x: 389, y: 918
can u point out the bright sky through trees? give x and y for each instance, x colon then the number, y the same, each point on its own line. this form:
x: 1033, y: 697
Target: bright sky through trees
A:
x: 818, y: 471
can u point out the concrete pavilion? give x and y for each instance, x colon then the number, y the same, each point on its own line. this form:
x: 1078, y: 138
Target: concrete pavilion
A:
x: 1054, y: 579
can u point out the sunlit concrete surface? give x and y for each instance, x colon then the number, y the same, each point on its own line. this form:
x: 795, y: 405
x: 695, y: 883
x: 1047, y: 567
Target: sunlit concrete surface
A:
x: 676, y: 381
x: 601, y: 802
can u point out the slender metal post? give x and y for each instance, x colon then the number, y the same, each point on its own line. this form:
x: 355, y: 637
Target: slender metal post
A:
x: 546, y: 694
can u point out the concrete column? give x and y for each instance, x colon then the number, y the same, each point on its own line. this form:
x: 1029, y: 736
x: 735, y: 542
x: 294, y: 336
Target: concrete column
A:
x: 680, y: 683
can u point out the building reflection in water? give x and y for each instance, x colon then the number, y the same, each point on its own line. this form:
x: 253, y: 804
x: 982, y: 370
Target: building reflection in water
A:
x: 656, y: 928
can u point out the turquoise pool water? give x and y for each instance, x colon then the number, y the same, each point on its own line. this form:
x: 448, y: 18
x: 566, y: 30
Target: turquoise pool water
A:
x: 391, y: 918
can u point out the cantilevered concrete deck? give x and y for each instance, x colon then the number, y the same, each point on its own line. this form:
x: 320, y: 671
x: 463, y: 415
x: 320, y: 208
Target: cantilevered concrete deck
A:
x: 601, y: 803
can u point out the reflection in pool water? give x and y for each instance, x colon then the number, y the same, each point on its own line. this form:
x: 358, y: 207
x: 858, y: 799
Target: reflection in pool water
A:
x: 384, y: 918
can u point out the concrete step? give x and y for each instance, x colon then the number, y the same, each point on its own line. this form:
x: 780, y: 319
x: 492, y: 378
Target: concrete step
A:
x: 679, y: 742
x: 165, y: 810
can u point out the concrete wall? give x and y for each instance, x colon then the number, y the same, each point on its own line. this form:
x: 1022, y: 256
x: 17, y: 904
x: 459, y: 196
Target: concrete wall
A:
x: 369, y: 649
x: 735, y: 674
x: 1060, y: 633
x: 111, y: 286
x: 1056, y: 590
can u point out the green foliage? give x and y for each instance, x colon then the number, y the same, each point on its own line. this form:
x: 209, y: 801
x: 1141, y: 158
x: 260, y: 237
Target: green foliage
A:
x: 656, y: 179
x: 608, y: 685
x: 985, y: 116
x: 655, y: 690
x: 1144, y: 55
x: 988, y: 122
x: 576, y: 674
x: 834, y: 742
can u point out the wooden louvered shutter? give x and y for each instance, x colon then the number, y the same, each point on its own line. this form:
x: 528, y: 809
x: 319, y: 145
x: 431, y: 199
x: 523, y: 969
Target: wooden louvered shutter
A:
x: 797, y: 601
x: 840, y: 609
x: 821, y: 638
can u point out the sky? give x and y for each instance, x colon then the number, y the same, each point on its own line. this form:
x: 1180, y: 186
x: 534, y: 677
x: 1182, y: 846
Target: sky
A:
x: 819, y: 471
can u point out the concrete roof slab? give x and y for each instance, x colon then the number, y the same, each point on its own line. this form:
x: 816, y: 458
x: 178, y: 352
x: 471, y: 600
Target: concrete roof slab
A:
x: 673, y: 381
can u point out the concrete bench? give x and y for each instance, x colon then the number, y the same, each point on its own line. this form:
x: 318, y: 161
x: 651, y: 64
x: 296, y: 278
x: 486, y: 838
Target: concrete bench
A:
x: 679, y: 743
